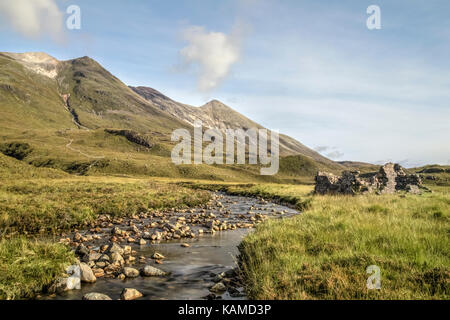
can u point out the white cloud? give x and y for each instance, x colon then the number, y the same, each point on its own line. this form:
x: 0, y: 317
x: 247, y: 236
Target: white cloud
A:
x: 214, y: 53
x: 330, y: 152
x: 34, y: 18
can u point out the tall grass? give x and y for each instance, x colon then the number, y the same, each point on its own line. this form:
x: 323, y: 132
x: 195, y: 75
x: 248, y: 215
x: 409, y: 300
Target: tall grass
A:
x: 324, y: 252
x: 48, y: 205
x: 27, y: 267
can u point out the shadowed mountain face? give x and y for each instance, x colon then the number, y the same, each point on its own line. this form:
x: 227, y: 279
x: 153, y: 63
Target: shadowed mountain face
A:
x: 71, y: 114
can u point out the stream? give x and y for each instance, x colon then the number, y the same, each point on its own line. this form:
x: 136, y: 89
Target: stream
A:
x: 191, y: 269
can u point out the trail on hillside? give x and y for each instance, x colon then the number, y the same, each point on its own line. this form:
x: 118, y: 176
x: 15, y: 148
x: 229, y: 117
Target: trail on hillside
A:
x: 97, y: 158
x: 68, y: 146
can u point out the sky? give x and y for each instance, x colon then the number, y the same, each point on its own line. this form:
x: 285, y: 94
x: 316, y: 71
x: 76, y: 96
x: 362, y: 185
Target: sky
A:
x: 310, y: 69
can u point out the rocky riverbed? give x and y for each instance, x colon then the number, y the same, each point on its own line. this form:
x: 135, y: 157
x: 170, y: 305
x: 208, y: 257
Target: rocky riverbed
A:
x: 173, y: 254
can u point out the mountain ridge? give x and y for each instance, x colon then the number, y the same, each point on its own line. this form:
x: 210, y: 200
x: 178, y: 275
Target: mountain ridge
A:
x: 40, y: 109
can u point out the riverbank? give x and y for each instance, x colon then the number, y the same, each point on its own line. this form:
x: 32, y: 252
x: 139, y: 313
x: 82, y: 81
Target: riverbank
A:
x: 191, y: 253
x: 28, y: 267
x: 324, y: 252
x: 38, y: 203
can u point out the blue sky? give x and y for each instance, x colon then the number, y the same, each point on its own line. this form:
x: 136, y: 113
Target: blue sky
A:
x: 310, y: 69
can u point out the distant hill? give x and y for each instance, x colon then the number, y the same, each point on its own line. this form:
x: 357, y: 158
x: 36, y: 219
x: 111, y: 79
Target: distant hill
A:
x: 78, y: 117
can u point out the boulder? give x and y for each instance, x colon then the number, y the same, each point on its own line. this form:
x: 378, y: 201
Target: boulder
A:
x: 96, y: 296
x: 86, y: 274
x: 158, y: 256
x: 91, y: 257
x: 63, y: 284
x: 116, y: 258
x: 130, y: 294
x: 81, y: 250
x: 130, y: 272
x: 114, y: 247
x: 218, y: 288
x: 150, y: 271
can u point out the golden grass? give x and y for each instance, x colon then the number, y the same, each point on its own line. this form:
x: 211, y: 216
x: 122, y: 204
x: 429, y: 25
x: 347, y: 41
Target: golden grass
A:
x: 324, y: 252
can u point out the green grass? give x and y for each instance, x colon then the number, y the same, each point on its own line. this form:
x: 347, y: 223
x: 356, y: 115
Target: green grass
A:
x: 324, y: 253
x: 28, y: 267
x: 298, y: 196
x: 43, y: 205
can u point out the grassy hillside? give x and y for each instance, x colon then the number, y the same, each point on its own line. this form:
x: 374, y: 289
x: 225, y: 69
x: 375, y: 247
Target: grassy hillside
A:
x: 70, y: 122
x: 434, y: 174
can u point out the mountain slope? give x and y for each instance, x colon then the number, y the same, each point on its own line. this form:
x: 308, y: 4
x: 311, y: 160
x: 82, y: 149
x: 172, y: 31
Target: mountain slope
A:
x: 215, y: 114
x: 76, y: 116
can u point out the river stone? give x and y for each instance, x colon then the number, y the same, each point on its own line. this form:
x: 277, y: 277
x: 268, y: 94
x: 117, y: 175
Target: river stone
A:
x: 130, y: 294
x: 86, y: 273
x: 115, y: 248
x: 96, y: 296
x: 147, y: 235
x: 218, y: 288
x: 116, y: 258
x: 64, y: 284
x: 158, y: 256
x: 150, y: 271
x: 130, y: 272
x: 126, y: 250
x: 82, y: 250
x: 92, y: 257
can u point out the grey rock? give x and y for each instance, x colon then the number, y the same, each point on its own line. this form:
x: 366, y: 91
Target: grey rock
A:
x: 86, y: 273
x: 130, y: 272
x: 92, y: 257
x: 150, y: 271
x: 130, y: 294
x: 116, y: 258
x: 96, y: 296
x: 114, y: 247
x: 81, y: 250
x: 218, y: 288
x: 389, y: 179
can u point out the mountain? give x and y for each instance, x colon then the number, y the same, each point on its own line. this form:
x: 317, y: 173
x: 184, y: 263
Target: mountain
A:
x: 215, y: 114
x: 76, y: 116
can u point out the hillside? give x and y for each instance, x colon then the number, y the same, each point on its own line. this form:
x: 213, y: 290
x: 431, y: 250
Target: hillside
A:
x: 215, y: 114
x: 76, y: 116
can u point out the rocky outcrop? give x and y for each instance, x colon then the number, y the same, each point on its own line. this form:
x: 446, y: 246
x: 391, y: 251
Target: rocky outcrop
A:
x: 391, y: 178
x: 131, y: 136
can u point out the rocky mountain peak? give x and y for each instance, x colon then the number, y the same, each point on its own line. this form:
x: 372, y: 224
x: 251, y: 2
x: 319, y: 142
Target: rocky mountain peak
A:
x: 39, y: 62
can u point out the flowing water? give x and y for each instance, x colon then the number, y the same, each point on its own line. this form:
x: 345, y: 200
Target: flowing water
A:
x: 191, y: 269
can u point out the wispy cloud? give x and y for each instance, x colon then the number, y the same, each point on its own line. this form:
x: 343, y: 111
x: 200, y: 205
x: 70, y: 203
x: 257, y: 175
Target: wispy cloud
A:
x: 330, y: 152
x: 213, y: 53
x: 34, y: 18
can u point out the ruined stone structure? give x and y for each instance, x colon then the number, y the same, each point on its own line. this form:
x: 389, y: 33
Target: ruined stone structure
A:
x: 390, y: 179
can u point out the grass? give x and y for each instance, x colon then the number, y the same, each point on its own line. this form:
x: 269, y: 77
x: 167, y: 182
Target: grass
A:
x: 298, y: 196
x: 47, y: 200
x: 44, y: 205
x: 324, y: 252
x: 27, y: 267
